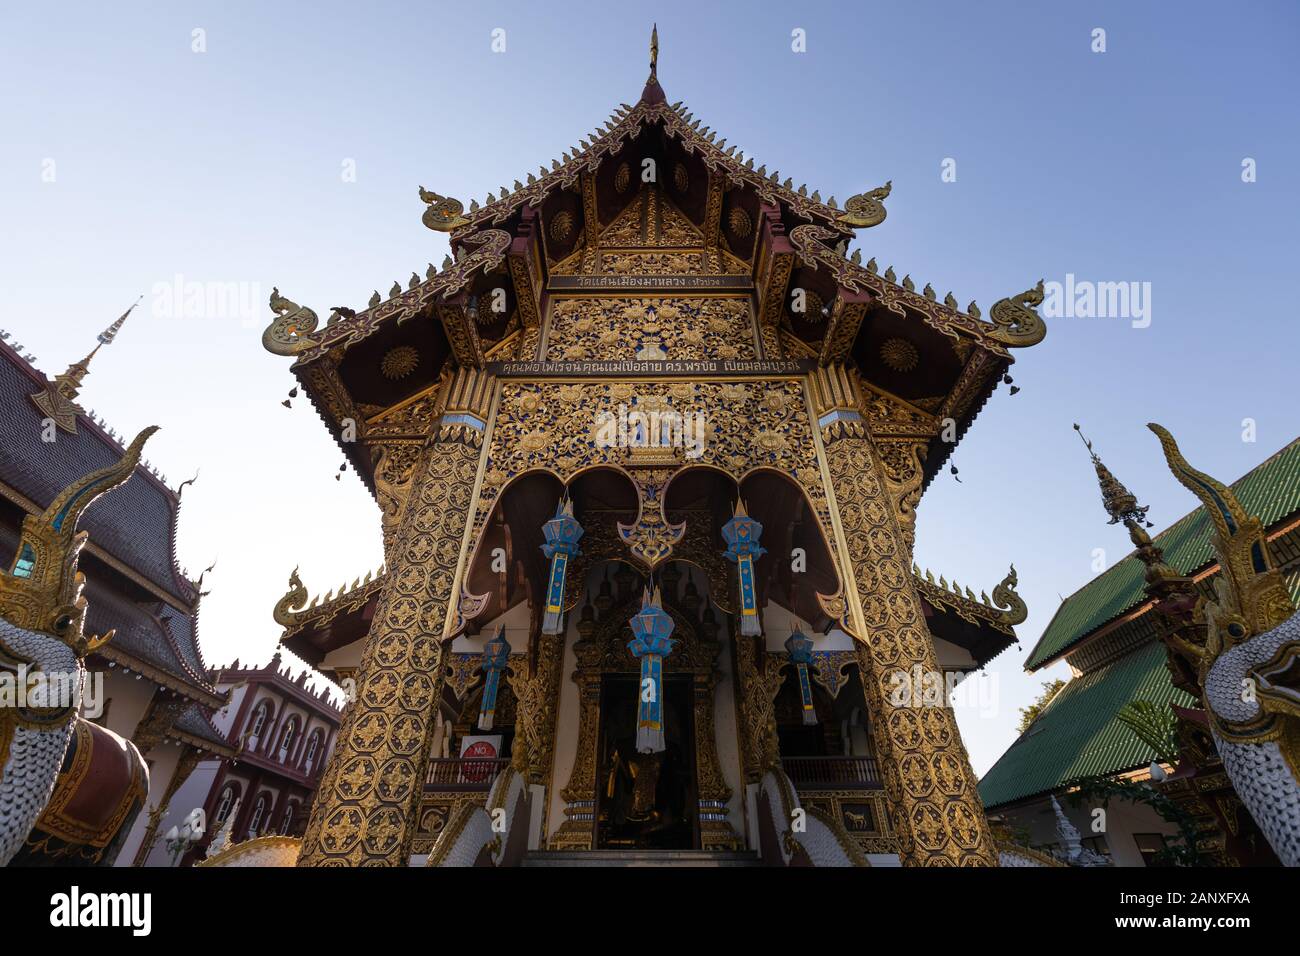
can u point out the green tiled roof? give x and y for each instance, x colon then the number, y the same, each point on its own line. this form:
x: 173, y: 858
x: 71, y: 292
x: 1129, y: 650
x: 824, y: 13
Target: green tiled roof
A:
x: 1077, y: 735
x: 1271, y: 491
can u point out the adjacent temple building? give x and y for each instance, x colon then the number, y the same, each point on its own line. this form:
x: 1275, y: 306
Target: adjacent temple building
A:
x: 647, y: 450
x: 1114, y: 634
x: 156, y: 691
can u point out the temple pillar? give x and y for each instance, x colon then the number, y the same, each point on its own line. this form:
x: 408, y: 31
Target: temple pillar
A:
x: 927, y: 772
x: 578, y: 831
x: 365, y: 813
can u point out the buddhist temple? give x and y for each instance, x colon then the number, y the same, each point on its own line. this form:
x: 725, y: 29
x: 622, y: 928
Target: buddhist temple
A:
x: 647, y: 451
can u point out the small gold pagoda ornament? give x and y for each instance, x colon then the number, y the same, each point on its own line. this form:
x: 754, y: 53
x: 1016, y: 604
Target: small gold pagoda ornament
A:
x: 867, y: 209
x: 444, y: 213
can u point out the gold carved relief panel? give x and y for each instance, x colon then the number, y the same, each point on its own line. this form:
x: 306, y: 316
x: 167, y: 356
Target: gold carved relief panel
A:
x: 926, y: 769
x: 621, y: 328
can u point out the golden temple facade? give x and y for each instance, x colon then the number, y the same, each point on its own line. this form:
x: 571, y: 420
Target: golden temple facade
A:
x: 651, y: 418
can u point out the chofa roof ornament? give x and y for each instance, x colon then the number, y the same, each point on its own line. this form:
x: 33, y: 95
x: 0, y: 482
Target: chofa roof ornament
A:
x: 42, y: 589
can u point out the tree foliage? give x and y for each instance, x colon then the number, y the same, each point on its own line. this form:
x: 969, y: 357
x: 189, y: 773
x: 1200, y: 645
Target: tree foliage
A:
x: 1029, y: 714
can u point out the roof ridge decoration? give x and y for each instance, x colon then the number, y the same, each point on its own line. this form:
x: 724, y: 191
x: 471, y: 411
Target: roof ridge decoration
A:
x: 289, y: 333
x: 822, y: 240
x: 1123, y: 507
x: 42, y: 590
x: 58, y: 399
x: 295, y: 610
x: 443, y: 214
x: 1253, y: 597
x: 1005, y: 610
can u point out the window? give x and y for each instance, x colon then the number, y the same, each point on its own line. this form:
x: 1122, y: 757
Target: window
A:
x: 1152, y: 848
x: 259, y: 724
x: 259, y: 809
x: 286, y: 740
x: 312, y: 743
x: 223, y: 804
x: 288, y: 819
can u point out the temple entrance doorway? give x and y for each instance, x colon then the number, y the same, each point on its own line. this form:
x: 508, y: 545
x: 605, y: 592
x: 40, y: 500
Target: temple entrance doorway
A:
x: 646, y: 801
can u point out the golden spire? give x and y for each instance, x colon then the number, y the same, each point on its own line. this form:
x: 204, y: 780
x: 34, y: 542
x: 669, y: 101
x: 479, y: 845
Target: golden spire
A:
x: 653, y: 92
x: 1120, y: 503
x: 1122, y: 506
x: 56, y: 402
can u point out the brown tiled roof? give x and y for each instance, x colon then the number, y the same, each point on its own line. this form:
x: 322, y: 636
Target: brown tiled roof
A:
x: 134, y: 526
x: 194, y: 723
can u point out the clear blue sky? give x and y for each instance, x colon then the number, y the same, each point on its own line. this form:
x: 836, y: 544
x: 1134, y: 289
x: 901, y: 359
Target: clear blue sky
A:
x: 225, y: 167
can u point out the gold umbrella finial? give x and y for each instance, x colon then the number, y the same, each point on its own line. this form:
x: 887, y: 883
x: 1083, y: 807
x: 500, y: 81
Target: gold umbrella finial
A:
x: 654, y: 51
x: 1121, y: 504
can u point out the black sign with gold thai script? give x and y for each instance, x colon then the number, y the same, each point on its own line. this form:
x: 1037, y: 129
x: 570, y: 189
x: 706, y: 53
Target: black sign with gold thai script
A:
x: 639, y: 368
x: 600, y: 283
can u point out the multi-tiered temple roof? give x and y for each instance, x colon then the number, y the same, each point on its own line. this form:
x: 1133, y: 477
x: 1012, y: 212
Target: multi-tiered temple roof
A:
x: 705, y: 214
x: 930, y: 359
x: 133, y: 582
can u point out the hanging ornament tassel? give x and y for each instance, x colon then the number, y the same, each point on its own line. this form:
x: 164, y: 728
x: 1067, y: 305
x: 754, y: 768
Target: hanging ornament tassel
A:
x: 653, y: 627
x: 496, y: 654
x: 742, y: 534
x: 800, y: 650
x: 562, y: 533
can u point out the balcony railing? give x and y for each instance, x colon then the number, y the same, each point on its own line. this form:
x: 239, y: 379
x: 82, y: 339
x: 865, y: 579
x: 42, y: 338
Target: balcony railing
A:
x: 470, y: 773
x: 829, y: 772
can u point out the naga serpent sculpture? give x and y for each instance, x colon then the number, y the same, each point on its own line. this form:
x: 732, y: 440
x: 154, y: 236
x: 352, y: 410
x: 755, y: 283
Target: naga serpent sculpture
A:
x: 290, y: 332
x: 1016, y: 323
x: 444, y: 213
x: 867, y: 209
x: 70, y: 789
x: 1249, y: 667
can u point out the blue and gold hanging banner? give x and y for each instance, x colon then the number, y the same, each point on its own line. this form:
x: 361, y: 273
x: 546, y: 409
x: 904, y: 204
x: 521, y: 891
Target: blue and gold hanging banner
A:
x: 742, y: 534
x: 496, y: 654
x: 800, y: 650
x: 562, y: 533
x: 653, y: 627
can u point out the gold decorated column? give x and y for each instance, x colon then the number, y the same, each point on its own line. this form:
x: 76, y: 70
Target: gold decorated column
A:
x: 365, y: 811
x: 927, y: 772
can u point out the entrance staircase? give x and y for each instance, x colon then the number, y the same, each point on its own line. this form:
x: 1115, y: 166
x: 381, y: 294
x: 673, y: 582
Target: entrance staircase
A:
x: 690, y: 858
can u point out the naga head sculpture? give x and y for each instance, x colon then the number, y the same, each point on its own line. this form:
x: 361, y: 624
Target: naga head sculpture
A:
x: 1249, y: 665
x: 42, y: 638
x: 42, y: 610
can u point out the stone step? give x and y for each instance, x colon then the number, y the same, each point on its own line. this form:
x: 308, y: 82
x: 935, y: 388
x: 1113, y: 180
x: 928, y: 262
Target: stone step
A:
x: 694, y: 858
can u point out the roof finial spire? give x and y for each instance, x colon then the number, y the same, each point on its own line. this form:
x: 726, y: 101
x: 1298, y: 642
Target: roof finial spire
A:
x: 653, y: 92
x: 1122, y: 506
x: 56, y: 401
x: 1120, y: 503
x: 106, y: 337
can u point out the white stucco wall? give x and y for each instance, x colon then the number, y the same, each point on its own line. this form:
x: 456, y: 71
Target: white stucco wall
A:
x: 162, y: 761
x: 192, y: 793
